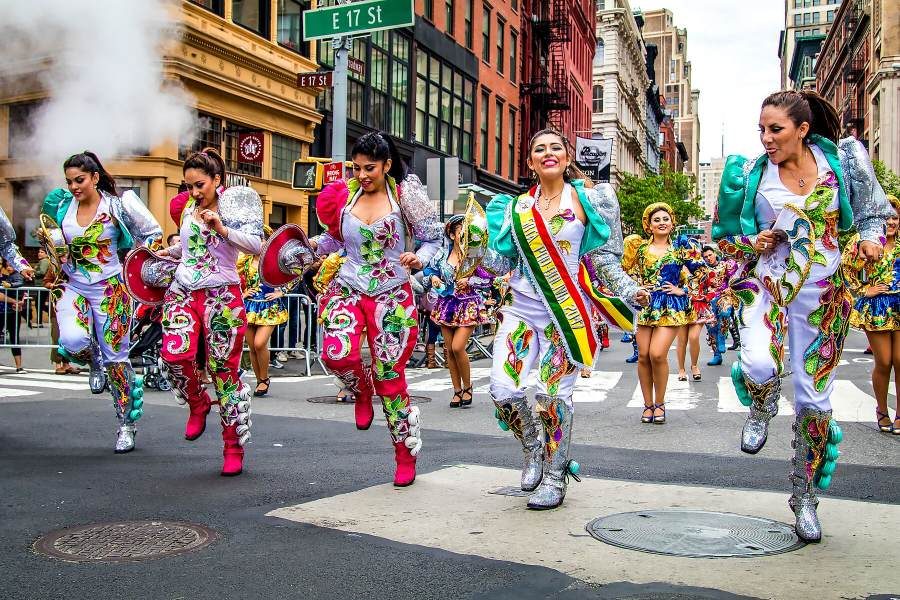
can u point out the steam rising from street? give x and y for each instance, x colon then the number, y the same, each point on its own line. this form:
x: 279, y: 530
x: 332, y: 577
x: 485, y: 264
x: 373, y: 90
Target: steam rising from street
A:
x: 99, y: 64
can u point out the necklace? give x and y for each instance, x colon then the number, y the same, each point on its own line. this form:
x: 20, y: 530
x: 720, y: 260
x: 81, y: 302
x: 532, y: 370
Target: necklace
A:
x: 800, y: 180
x: 548, y: 199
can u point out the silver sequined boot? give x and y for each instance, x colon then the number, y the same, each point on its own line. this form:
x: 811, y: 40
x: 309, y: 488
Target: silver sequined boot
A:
x: 127, y: 390
x: 815, y: 453
x: 764, y: 406
x: 556, y: 418
x: 97, y: 378
x: 515, y: 415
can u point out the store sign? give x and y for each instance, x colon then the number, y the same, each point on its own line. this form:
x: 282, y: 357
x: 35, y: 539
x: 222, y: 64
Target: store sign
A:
x: 321, y: 79
x: 250, y: 148
x: 592, y: 155
x: 332, y: 172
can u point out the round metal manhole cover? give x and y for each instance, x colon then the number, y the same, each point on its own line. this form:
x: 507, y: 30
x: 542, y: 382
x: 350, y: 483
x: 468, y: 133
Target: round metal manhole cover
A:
x: 695, y: 533
x: 127, y: 541
x: 334, y: 400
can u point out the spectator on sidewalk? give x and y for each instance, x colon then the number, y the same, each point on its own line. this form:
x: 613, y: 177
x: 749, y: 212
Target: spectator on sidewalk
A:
x: 42, y: 304
x: 12, y: 305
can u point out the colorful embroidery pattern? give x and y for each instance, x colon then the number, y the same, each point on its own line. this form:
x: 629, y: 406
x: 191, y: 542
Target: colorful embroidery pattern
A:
x: 554, y: 364
x: 815, y: 431
x: 116, y: 304
x: 775, y: 321
x: 396, y: 413
x: 832, y: 319
x: 201, y: 261
x: 89, y: 253
x: 396, y: 323
x: 552, y: 417
x: 519, y: 344
x: 82, y: 312
x: 119, y: 384
x: 378, y: 268
x: 510, y: 415
x: 177, y: 321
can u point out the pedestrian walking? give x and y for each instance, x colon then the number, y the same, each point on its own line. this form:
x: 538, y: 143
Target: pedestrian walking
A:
x: 780, y: 216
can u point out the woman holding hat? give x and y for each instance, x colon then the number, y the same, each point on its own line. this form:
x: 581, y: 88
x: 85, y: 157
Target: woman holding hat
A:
x: 661, y: 267
x: 94, y: 311
x: 876, y: 311
x: 542, y: 237
x: 204, y: 305
x: 459, y: 307
x: 780, y: 216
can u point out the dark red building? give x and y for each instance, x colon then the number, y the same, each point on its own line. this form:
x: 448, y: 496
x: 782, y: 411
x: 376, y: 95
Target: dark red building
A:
x: 558, y: 45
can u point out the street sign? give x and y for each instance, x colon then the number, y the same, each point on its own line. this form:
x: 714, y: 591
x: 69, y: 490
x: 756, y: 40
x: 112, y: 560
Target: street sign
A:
x: 357, y: 18
x: 357, y: 66
x: 321, y: 79
x: 443, y: 183
x: 307, y: 175
x: 332, y: 172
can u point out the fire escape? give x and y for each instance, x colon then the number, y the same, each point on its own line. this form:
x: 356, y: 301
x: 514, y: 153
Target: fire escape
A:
x: 548, y: 85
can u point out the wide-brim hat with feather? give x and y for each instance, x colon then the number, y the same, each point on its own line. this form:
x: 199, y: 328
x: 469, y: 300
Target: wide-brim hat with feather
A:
x: 648, y: 212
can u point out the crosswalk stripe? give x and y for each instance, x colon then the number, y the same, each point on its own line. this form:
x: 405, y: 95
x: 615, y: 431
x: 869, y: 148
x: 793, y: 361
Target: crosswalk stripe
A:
x: 57, y: 385
x: 14, y: 393
x: 679, y: 395
x: 728, y: 400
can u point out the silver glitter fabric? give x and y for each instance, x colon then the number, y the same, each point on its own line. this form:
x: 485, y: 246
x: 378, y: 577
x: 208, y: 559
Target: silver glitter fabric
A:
x: 135, y: 217
x: 803, y: 499
x: 419, y: 213
x: 159, y: 273
x: 8, y: 248
x: 125, y: 438
x: 294, y: 257
x: 241, y: 208
x: 556, y: 418
x: 97, y: 378
x: 523, y: 424
x: 497, y: 264
x: 606, y: 260
x: 765, y: 406
x: 870, y: 206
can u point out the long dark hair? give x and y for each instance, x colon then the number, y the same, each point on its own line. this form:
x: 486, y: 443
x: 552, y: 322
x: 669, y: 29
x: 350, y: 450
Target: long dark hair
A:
x: 572, y: 171
x: 808, y: 107
x: 209, y: 161
x: 380, y: 146
x: 89, y: 163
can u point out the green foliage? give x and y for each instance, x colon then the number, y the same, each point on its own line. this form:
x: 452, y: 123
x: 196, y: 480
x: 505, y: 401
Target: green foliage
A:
x: 675, y: 189
x: 889, y: 180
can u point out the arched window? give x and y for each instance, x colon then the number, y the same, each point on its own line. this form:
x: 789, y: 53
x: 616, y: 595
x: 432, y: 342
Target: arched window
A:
x: 598, y: 54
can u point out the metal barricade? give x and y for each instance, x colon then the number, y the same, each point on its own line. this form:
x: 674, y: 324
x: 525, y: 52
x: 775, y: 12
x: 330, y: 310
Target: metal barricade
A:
x: 311, y: 337
x: 26, y: 317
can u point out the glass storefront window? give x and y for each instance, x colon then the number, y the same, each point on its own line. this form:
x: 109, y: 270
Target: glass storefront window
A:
x: 285, y: 151
x: 290, y: 25
x: 252, y: 15
x: 232, y: 161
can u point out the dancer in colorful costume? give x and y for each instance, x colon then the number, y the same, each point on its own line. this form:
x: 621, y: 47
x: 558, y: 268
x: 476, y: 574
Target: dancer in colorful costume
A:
x: 10, y: 250
x: 459, y: 283
x: 542, y: 237
x: 662, y: 266
x: 375, y: 217
x: 779, y: 215
x: 701, y: 289
x: 876, y: 287
x: 720, y: 272
x: 86, y: 227
x: 204, y: 306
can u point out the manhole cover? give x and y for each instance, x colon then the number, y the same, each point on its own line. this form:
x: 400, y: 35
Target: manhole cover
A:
x: 510, y: 490
x: 124, y: 542
x: 695, y: 533
x: 333, y: 400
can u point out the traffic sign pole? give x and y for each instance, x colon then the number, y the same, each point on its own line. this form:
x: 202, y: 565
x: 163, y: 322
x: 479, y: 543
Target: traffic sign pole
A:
x: 341, y: 47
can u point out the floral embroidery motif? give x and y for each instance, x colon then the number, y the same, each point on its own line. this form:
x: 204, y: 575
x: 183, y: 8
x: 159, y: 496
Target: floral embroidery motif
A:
x: 832, y: 319
x: 338, y: 321
x: 815, y: 431
x: 223, y: 325
x: 519, y: 344
x: 82, y: 312
x: 559, y: 220
x: 201, y: 261
x: 510, y: 415
x: 118, y: 385
x: 397, y: 322
x: 378, y: 268
x: 552, y: 417
x: 396, y: 413
x: 554, y: 364
x: 775, y: 321
x: 177, y: 321
x: 89, y: 253
x: 116, y: 305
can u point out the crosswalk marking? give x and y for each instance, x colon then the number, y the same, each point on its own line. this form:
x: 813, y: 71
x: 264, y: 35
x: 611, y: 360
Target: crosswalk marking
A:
x: 13, y: 393
x: 56, y: 385
x: 728, y: 400
x: 679, y: 395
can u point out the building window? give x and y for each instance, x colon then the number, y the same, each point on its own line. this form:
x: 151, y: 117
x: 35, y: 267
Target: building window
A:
x: 511, y: 148
x: 429, y: 10
x: 290, y: 25
x: 598, y: 99
x: 449, y: 15
x: 599, y: 52
x: 798, y: 20
x: 486, y: 35
x: 498, y: 138
x: 216, y: 6
x: 830, y: 16
x: 444, y: 106
x: 470, y: 9
x: 798, y: 3
x: 278, y: 216
x: 285, y: 151
x: 485, y: 105
x: 21, y: 127
x: 816, y: 2
x: 515, y: 5
x: 399, y: 85
x: 807, y: 18
x: 513, y: 55
x: 252, y: 15
x: 209, y: 135
x: 501, y: 51
x: 817, y: 18
x: 233, y: 163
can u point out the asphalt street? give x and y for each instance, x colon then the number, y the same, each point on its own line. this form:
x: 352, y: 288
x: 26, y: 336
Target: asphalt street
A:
x: 311, y: 517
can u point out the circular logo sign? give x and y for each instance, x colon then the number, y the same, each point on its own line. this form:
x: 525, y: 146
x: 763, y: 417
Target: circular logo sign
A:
x: 251, y: 148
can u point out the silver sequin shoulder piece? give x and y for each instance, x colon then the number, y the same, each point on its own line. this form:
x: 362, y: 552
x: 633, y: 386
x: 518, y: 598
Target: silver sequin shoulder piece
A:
x: 607, y: 258
x: 241, y: 209
x: 867, y: 199
x: 135, y: 217
x: 418, y: 210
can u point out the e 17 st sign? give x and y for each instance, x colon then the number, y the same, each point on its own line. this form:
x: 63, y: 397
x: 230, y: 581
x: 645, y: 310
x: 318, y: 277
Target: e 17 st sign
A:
x: 357, y: 18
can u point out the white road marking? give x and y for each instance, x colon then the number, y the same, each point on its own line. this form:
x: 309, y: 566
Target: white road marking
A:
x: 679, y: 395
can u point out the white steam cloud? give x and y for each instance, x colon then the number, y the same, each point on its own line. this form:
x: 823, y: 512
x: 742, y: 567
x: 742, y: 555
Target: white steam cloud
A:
x: 100, y: 64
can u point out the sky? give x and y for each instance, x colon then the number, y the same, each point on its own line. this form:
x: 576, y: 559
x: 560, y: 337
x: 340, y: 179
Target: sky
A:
x: 733, y: 50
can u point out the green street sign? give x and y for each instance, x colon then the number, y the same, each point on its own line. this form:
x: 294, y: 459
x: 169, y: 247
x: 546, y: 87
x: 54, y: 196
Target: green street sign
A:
x: 357, y: 18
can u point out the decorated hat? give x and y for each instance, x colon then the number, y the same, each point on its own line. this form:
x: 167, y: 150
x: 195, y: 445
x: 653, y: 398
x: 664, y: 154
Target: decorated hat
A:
x: 895, y: 203
x: 148, y: 275
x: 285, y: 255
x: 648, y: 212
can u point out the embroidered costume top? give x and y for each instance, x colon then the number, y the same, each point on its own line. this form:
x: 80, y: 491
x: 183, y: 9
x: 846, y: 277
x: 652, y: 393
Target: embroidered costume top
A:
x: 455, y: 306
x: 373, y: 250
x: 882, y: 311
x: 118, y: 224
x: 207, y: 259
x: 259, y: 310
x: 8, y: 248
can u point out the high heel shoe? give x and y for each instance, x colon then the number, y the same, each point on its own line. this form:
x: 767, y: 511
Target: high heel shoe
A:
x: 661, y: 419
x: 457, y: 399
x: 259, y: 393
x: 696, y: 376
x: 645, y: 418
x: 881, y: 416
x: 463, y: 401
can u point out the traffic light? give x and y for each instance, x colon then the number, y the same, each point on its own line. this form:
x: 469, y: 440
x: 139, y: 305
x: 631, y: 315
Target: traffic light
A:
x: 307, y: 175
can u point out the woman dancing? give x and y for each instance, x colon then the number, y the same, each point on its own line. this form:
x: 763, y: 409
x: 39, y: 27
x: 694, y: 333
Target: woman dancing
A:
x: 542, y: 238
x: 780, y: 215
x: 375, y: 217
x: 877, y: 312
x: 203, y: 305
x: 459, y: 308
x: 661, y: 266
x: 94, y: 311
